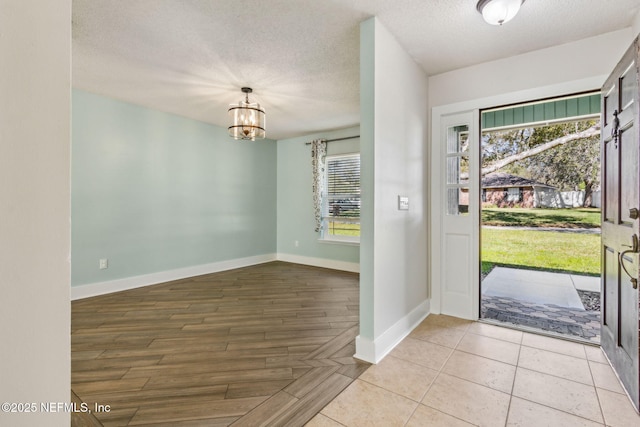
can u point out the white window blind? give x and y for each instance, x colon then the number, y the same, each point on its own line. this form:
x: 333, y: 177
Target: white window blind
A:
x: 513, y: 194
x: 341, y: 204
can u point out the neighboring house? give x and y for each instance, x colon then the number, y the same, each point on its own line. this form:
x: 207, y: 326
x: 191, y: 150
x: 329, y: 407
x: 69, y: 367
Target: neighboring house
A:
x: 506, y: 190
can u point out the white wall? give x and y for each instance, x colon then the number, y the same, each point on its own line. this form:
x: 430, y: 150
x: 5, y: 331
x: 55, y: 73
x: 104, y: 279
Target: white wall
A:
x: 35, y: 41
x: 393, y: 255
x: 567, y: 65
x: 636, y: 24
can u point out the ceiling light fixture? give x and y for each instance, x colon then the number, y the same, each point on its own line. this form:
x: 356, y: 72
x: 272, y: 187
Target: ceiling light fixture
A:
x: 246, y: 119
x: 497, y: 12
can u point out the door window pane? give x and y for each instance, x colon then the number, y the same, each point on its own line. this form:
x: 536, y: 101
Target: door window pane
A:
x: 458, y: 139
x: 458, y: 201
x: 457, y: 170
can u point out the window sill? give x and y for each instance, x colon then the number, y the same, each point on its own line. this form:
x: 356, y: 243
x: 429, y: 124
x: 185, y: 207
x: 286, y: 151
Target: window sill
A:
x: 338, y: 242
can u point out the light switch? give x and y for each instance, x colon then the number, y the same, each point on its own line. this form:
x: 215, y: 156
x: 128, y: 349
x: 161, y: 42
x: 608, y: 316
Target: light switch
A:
x: 403, y: 203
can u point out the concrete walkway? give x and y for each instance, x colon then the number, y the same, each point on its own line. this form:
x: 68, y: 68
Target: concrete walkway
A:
x: 542, y: 300
x: 540, y: 287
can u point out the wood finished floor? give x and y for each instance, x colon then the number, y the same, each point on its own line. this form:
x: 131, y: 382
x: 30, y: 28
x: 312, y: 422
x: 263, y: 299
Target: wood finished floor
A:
x: 264, y: 345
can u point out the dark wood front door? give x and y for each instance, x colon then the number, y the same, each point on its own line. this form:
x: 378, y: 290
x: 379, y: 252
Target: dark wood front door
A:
x: 620, y: 223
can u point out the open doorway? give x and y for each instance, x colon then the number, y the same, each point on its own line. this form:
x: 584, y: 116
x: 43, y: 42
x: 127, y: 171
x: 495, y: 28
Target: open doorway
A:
x: 540, y: 216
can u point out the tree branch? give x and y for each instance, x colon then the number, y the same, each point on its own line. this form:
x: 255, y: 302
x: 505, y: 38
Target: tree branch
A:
x: 592, y: 131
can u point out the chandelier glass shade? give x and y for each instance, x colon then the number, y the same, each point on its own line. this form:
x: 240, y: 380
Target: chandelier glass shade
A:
x: 246, y: 119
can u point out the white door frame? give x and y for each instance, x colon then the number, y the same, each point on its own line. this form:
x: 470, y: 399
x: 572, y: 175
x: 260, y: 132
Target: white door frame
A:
x: 438, y: 275
x: 456, y: 252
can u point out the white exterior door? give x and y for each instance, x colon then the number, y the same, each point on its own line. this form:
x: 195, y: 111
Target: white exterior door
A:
x: 456, y: 215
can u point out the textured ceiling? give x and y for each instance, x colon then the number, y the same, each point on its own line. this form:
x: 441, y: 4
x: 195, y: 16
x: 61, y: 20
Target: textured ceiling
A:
x: 190, y: 57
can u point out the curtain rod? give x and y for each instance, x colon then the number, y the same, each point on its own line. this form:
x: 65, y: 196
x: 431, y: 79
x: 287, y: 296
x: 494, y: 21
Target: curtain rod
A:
x: 336, y: 139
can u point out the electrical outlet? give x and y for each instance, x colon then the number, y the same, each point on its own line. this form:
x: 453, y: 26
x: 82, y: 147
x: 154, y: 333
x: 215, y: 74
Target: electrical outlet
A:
x: 104, y: 263
x: 296, y: 244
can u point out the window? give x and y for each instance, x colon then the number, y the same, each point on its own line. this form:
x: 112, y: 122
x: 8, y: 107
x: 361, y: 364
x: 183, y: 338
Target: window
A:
x: 457, y: 170
x: 514, y: 194
x: 341, y: 201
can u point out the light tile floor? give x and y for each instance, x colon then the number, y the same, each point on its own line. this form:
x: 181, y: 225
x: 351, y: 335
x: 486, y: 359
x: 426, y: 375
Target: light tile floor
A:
x: 452, y: 372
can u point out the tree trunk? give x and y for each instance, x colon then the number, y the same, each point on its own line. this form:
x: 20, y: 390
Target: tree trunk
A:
x: 588, y: 194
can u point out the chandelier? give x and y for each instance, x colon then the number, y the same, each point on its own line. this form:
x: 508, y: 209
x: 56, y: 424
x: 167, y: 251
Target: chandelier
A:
x: 247, y: 120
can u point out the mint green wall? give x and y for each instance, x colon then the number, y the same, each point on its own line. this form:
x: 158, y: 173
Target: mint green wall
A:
x: 153, y: 192
x: 295, y: 203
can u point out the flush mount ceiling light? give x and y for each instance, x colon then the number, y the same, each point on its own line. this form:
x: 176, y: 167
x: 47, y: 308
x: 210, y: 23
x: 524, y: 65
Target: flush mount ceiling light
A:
x: 246, y: 119
x: 497, y: 12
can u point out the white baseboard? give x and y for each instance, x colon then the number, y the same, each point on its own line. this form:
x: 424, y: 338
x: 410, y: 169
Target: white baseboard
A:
x: 320, y: 262
x: 101, y: 288
x: 374, y: 351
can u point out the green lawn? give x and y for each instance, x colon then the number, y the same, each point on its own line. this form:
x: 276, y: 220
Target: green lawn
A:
x: 522, y: 217
x: 344, y: 229
x: 541, y: 250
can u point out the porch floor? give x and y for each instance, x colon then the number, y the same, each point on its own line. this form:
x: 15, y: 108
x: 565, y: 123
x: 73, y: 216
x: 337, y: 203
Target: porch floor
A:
x: 542, y: 300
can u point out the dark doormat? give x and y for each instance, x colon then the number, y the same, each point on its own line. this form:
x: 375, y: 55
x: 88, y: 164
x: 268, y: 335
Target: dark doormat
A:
x: 547, y: 317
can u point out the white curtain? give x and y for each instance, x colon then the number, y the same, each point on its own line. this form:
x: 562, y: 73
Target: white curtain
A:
x: 318, y: 160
